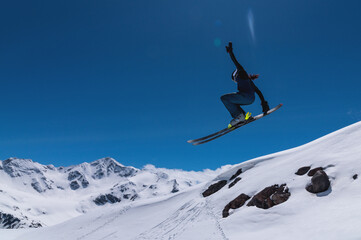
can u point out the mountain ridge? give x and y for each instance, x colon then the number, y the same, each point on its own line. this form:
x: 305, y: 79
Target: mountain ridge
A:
x: 25, y: 184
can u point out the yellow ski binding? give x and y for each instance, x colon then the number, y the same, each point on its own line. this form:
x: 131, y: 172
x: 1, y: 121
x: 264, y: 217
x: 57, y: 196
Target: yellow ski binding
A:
x: 248, y: 115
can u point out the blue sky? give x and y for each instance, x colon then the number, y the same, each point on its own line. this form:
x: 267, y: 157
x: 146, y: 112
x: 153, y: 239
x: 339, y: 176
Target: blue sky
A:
x: 82, y: 80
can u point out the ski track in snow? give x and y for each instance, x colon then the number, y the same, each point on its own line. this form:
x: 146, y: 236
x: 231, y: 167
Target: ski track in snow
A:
x: 105, y: 224
x: 175, y: 224
x: 218, y: 225
x: 182, y: 219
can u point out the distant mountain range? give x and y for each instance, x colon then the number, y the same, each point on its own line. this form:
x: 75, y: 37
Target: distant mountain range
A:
x: 35, y: 195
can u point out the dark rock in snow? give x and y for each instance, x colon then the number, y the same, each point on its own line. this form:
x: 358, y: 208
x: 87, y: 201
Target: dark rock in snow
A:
x: 319, y: 182
x: 302, y: 171
x: 270, y: 196
x: 73, y: 175
x: 36, y: 186
x: 123, y: 187
x: 239, y: 171
x: 74, y: 185
x: 313, y: 171
x: 84, y: 183
x: 126, y: 196
x: 8, y: 221
x: 35, y: 225
x: 175, y: 186
x: 234, y: 182
x: 107, y: 198
x: 234, y: 204
x: 355, y: 176
x: 214, y: 188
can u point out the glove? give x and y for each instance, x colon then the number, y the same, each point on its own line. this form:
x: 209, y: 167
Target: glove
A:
x: 229, y: 47
x: 265, y: 107
x: 253, y: 76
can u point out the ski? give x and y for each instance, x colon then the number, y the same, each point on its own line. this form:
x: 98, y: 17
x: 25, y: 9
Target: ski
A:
x: 224, y: 131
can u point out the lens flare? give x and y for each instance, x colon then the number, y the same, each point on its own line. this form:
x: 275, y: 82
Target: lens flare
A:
x: 250, y: 19
x: 217, y: 42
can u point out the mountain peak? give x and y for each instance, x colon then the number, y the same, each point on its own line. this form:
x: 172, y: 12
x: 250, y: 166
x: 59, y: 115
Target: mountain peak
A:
x: 106, y: 161
x: 107, y: 166
x: 17, y: 167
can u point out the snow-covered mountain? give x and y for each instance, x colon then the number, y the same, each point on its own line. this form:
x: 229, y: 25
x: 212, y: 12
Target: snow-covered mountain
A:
x: 309, y: 192
x: 33, y: 195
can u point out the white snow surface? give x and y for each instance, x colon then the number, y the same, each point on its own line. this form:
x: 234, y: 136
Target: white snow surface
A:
x: 333, y: 214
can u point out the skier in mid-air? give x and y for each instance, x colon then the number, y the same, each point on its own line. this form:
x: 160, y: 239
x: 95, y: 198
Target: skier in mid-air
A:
x: 245, y: 95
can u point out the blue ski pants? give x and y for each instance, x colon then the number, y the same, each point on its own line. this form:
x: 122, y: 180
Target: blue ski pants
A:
x: 233, y: 102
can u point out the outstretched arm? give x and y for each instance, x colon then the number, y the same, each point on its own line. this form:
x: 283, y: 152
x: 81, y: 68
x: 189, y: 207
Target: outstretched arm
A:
x: 264, y: 103
x: 238, y: 66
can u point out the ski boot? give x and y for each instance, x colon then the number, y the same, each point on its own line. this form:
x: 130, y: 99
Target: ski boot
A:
x: 240, y: 119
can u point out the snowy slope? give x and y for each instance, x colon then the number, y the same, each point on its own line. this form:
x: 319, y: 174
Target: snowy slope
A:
x: 331, y: 214
x: 34, y: 195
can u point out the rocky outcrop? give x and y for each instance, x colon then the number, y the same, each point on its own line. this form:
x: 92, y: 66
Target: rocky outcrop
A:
x: 239, y: 171
x: 75, y: 177
x: 84, y: 183
x: 175, y: 186
x: 126, y: 191
x: 214, y: 188
x: 234, y: 182
x: 107, y: 198
x: 74, y: 185
x: 234, y: 204
x: 270, y: 196
x: 313, y: 171
x: 302, y: 171
x: 319, y: 182
x: 355, y: 177
x: 8, y: 221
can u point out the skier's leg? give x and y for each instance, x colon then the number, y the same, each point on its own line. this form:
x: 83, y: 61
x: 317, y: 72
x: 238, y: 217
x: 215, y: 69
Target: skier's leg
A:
x: 231, y: 102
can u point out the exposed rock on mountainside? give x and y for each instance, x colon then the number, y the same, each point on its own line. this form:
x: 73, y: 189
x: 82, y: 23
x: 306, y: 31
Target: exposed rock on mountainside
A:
x: 107, y: 198
x: 234, y: 204
x: 270, y: 196
x: 313, y: 171
x: 8, y: 221
x: 239, y: 171
x: 302, y: 171
x: 319, y: 182
x: 214, y: 188
x: 175, y: 186
x: 234, y: 182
